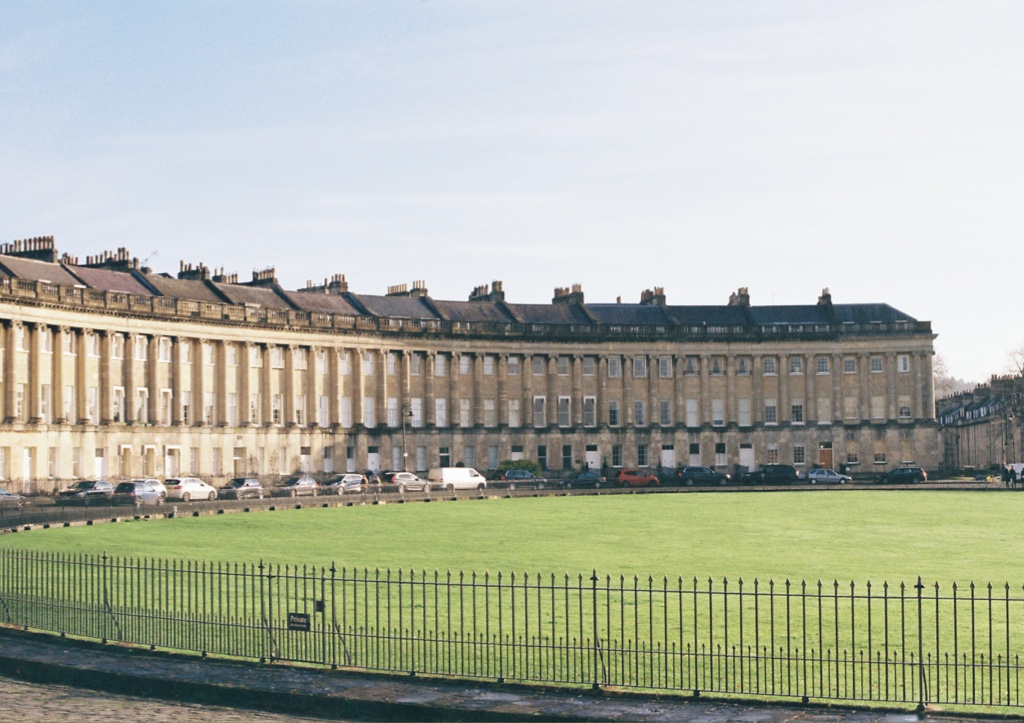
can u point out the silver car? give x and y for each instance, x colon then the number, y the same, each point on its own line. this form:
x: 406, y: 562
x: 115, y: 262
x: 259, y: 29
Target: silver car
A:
x: 826, y: 476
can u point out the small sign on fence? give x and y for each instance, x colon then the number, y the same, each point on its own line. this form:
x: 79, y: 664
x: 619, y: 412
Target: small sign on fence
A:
x: 298, y: 621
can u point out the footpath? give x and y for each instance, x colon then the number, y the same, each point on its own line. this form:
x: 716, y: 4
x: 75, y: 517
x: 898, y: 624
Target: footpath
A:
x: 345, y: 695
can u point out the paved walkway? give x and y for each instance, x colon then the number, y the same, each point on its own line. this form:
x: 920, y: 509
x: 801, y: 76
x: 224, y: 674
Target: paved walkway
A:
x: 163, y: 687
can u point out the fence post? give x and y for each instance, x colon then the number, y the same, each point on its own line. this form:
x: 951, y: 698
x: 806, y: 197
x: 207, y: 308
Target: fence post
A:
x: 597, y: 642
x: 922, y: 673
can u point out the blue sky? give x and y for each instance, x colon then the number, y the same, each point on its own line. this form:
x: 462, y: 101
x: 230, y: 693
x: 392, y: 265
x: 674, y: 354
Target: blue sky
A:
x: 874, y: 148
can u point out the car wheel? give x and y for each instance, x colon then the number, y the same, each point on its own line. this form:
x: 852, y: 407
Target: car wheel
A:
x: 689, y: 483
x: 426, y: 488
x: 185, y: 497
x: 259, y: 495
x: 511, y: 486
x: 568, y: 485
x: 597, y: 485
x: 842, y: 481
x: 480, y: 488
x: 401, y: 489
x: 540, y: 485
x: 138, y: 501
x: 722, y: 482
x: 212, y: 496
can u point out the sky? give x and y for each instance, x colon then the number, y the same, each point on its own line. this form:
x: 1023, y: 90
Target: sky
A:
x: 873, y: 148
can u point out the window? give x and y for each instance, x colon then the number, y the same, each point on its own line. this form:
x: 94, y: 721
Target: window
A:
x: 542, y: 456
x: 589, y: 366
x: 233, y: 409
x: 346, y: 412
x: 563, y: 366
x: 566, y: 456
x: 665, y: 412
x: 299, y: 359
x: 717, y: 366
x: 589, y: 411
x: 255, y: 357
x: 440, y: 365
x: 513, y: 413
x: 742, y: 366
x: 614, y: 413
x: 489, y: 366
x: 822, y: 364
x: 616, y: 455
x: 464, y: 365
x: 275, y: 409
x: 614, y: 367
x: 639, y: 413
x: 799, y: 454
x: 186, y: 407
x: 796, y: 365
x: 391, y: 363
x: 879, y: 457
x: 421, y: 458
x: 691, y: 366
x: 878, y: 407
x: 490, y: 413
x: 563, y: 412
x: 469, y: 456
x: 538, y: 366
x: 254, y: 408
x: 771, y: 411
x: 692, y: 413
x: 513, y: 366
x: 208, y: 353
x: 850, y: 408
x: 539, y: 412
x: 321, y: 368
x: 796, y: 411
x: 368, y: 363
x: 440, y: 412
x: 492, y: 456
x: 118, y: 404
x: 465, y: 419
x: 416, y: 412
x: 849, y: 365
x: 641, y: 455
x: 904, y: 407
x: 718, y: 412
x: 876, y: 365
x: 208, y: 407
x: 93, y: 344
x: 322, y: 417
x: 92, y: 403
x: 164, y: 349
x: 415, y: 365
x: 852, y: 458
x: 45, y: 396
x: 116, y: 346
x: 392, y: 407
x: 345, y: 360
x: 903, y: 363
x: 665, y: 367
x: 770, y: 368
x: 46, y: 340
x: 720, y: 460
x: 771, y: 454
x: 369, y: 412
x: 744, y: 416
x: 639, y: 367
x: 276, y: 357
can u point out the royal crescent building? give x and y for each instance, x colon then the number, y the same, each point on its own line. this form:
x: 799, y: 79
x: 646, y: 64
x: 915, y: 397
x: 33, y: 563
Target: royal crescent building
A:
x: 108, y: 369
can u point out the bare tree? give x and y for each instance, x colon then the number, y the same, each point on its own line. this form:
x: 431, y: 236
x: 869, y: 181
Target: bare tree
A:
x: 945, y: 385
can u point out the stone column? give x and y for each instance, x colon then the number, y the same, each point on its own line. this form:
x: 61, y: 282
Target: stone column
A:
x: 198, y: 383
x: 35, y: 381
x: 757, y: 389
x: 267, y: 387
x: 153, y: 380
x: 178, y: 344
x: 57, y: 376
x: 429, y: 404
x: 890, y: 385
x: 106, y: 381
x: 82, y: 379
x: 864, y: 373
x: 220, y: 386
x: 245, y: 352
x: 502, y: 400
x: 811, y: 397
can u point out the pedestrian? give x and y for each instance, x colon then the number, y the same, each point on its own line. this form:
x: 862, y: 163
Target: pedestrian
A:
x: 1007, y: 475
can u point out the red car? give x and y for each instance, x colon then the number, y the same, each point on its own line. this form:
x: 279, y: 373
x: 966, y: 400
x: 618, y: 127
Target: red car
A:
x: 636, y: 478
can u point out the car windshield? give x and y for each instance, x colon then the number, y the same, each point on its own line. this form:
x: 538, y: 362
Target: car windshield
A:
x: 126, y: 487
x: 84, y: 485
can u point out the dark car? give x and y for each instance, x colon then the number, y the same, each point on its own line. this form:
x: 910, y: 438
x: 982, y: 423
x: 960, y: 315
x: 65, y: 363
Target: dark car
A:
x: 586, y: 478
x: 696, y: 475
x: 773, y: 474
x: 520, y: 478
x: 241, y: 488
x: 903, y: 475
x: 87, y: 492
x: 637, y: 478
x: 296, y: 487
x: 10, y: 500
x: 137, y: 493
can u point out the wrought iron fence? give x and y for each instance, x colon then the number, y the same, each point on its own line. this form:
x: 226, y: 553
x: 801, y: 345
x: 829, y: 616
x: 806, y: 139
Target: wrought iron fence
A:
x: 813, y: 641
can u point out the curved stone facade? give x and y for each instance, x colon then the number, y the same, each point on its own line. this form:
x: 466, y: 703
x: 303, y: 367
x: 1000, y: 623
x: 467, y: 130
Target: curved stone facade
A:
x: 110, y: 369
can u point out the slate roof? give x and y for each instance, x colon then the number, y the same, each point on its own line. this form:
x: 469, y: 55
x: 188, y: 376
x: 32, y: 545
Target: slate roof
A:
x: 549, y: 314
x: 327, y: 303
x: 183, y: 289
x: 261, y: 295
x: 486, y: 311
x: 107, y: 280
x: 398, y: 307
x: 37, y: 271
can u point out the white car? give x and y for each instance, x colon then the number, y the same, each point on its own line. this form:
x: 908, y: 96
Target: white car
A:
x: 827, y: 476
x: 189, y: 488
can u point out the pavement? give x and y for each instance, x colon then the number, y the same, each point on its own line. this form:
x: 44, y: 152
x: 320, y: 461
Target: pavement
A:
x: 49, y: 678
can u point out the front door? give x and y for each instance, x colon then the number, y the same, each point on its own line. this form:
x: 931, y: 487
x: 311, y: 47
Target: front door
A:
x: 825, y: 455
x: 668, y: 456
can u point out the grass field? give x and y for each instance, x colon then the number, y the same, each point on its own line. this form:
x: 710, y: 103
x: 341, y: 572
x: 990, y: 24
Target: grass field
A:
x: 828, y: 535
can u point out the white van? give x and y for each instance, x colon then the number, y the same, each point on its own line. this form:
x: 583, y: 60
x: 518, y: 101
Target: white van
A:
x: 456, y: 478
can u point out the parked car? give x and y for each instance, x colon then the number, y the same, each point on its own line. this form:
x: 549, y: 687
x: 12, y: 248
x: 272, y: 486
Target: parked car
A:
x: 351, y: 482
x: 409, y: 481
x: 10, y: 500
x: 773, y: 474
x: 520, y: 478
x: 241, y: 488
x: 696, y: 475
x: 903, y: 475
x: 456, y: 478
x: 155, y: 483
x: 87, y: 492
x: 636, y: 478
x: 302, y: 486
x: 827, y: 476
x: 187, y: 489
x: 137, y: 493
x: 584, y: 478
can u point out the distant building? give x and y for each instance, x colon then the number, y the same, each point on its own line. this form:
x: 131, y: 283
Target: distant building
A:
x: 983, y: 428
x: 110, y: 369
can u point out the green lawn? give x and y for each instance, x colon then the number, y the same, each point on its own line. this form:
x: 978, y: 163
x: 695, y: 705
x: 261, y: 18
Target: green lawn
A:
x: 828, y: 535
